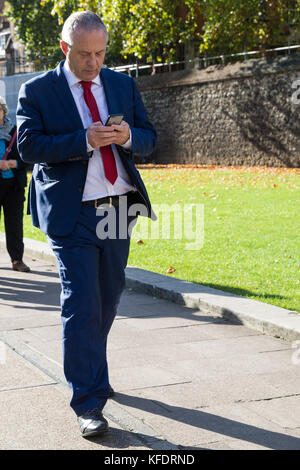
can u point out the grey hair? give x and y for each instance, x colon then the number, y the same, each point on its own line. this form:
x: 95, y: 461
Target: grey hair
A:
x: 86, y: 20
x: 3, y: 105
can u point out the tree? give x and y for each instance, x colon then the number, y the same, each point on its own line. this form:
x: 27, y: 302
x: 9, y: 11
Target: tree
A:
x: 150, y: 29
x: 157, y: 30
x: 37, y: 28
x: 236, y: 26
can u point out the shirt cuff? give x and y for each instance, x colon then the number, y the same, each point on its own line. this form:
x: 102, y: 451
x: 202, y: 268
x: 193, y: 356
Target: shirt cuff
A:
x: 89, y: 148
x: 128, y: 144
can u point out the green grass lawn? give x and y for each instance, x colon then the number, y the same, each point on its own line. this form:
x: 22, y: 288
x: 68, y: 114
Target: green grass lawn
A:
x: 251, y: 230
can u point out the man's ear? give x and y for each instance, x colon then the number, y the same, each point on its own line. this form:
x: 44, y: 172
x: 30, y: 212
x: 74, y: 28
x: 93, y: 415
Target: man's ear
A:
x: 64, y: 47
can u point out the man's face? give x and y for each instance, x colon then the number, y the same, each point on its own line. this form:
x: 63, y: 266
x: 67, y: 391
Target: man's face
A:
x: 86, y: 55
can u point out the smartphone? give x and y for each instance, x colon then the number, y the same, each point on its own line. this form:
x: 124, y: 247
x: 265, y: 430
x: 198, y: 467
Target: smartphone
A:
x: 114, y: 119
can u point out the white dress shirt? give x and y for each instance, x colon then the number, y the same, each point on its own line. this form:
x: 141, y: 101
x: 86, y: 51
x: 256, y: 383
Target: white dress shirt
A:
x: 96, y: 185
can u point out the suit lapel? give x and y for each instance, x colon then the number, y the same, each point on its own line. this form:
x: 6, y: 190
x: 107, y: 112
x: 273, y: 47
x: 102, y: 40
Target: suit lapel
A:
x: 109, y: 93
x: 65, y: 96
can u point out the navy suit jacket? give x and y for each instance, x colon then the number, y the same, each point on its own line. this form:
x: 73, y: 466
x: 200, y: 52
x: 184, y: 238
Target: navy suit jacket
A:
x: 51, y: 135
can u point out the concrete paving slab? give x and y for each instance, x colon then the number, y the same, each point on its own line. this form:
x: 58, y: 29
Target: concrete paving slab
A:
x: 195, y: 385
x: 223, y: 328
x: 9, y: 322
x: 155, y: 322
x: 120, y: 358
x: 52, y: 349
x: 24, y: 373
x: 150, y: 356
x: 46, y: 333
x: 239, y: 422
x: 283, y: 411
x: 268, y: 319
x: 126, y: 336
x: 211, y: 392
x: 235, y: 444
x: 208, y: 368
x: 263, y: 317
x: 34, y: 414
x: 147, y: 305
x: 199, y: 427
x: 236, y: 346
x: 139, y: 377
x: 33, y: 354
x: 287, y: 382
x: 39, y: 420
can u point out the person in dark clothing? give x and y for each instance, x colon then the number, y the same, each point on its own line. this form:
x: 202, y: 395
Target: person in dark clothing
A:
x: 13, y: 180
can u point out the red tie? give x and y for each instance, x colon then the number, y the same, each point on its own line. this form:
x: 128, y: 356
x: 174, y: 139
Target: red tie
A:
x: 108, y: 158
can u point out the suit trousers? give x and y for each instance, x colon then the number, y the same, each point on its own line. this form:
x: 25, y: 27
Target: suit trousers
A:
x: 92, y: 275
x: 12, y: 201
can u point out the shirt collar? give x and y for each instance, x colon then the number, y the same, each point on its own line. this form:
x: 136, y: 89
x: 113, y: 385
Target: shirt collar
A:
x: 73, y: 80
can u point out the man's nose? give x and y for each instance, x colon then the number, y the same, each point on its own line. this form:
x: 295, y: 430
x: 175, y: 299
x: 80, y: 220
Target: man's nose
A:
x: 92, y: 60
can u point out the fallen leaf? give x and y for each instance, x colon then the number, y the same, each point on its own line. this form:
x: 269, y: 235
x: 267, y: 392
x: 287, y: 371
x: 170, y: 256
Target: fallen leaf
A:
x: 208, y: 168
x: 170, y: 270
x: 140, y: 242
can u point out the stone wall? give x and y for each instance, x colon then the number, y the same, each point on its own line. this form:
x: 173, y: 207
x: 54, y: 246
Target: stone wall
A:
x: 239, y: 114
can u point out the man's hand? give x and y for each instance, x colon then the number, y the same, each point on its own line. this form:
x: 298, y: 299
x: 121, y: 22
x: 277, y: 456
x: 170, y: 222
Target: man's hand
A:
x: 122, y: 133
x: 100, y: 136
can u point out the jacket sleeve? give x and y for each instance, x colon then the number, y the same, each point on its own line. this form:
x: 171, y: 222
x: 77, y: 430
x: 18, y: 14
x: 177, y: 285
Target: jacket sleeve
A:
x: 34, y: 144
x: 143, y: 133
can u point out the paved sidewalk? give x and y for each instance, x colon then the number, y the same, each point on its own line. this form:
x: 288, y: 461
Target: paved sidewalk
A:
x: 184, y: 379
x: 269, y: 319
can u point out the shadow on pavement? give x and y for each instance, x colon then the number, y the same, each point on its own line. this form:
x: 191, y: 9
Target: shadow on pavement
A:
x: 31, y: 291
x: 213, y: 423
x: 124, y: 439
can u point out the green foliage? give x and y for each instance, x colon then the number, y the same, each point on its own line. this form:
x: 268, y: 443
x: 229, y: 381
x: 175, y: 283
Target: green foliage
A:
x: 37, y: 28
x: 235, y: 26
x: 155, y: 30
x: 149, y: 29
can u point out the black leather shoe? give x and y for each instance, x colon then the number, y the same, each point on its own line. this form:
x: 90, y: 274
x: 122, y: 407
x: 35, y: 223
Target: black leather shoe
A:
x: 111, y: 392
x: 92, y: 423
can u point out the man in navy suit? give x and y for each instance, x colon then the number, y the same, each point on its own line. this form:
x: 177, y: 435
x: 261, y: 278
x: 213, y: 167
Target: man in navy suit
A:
x: 82, y: 167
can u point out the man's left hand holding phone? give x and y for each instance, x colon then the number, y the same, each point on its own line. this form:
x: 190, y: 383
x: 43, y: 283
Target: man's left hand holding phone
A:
x: 116, y: 131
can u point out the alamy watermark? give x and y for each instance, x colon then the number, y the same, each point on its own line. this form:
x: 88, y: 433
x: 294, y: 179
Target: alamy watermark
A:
x: 2, y: 353
x: 173, y: 222
x: 296, y: 353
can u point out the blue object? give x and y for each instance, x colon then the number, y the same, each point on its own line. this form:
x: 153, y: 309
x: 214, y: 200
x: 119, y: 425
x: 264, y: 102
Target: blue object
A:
x: 6, y: 174
x: 92, y: 270
x: 92, y: 277
x: 57, y: 137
